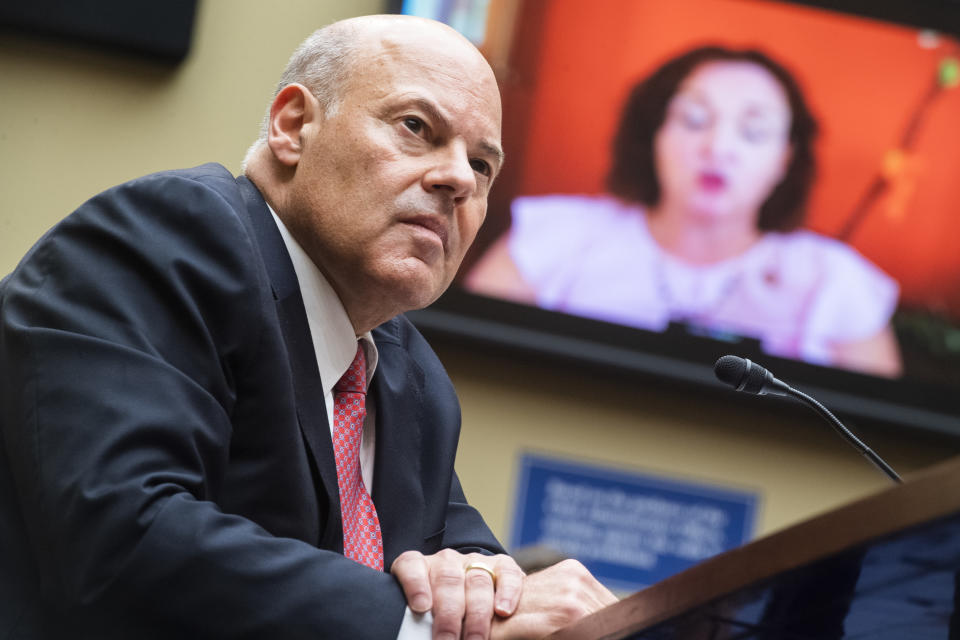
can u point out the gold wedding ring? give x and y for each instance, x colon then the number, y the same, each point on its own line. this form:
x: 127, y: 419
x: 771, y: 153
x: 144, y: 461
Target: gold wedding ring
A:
x: 483, y: 566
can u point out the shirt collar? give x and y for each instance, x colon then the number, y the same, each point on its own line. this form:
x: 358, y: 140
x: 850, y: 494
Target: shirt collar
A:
x: 334, y: 342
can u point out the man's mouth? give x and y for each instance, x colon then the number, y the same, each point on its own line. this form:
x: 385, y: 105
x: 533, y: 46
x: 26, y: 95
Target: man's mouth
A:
x: 434, y: 224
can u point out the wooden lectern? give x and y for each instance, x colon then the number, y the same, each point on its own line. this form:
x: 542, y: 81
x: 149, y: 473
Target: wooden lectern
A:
x: 884, y: 567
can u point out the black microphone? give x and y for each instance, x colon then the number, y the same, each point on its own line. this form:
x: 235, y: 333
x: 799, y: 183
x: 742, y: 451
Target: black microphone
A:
x: 743, y: 375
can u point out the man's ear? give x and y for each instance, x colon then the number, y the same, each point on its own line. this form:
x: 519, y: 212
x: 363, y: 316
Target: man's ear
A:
x: 292, y: 108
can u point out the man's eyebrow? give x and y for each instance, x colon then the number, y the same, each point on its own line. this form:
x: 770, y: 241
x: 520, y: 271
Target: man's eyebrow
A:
x: 434, y: 114
x: 431, y: 109
x: 494, y: 150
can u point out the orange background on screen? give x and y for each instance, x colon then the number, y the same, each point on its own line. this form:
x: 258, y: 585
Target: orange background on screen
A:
x: 862, y: 79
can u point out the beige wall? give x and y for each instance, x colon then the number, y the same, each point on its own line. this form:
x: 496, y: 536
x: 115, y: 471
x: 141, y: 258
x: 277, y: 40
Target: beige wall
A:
x: 793, y: 460
x: 73, y: 122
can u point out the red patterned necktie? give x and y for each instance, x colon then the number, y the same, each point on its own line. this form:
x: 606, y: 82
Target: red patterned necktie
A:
x: 362, y: 540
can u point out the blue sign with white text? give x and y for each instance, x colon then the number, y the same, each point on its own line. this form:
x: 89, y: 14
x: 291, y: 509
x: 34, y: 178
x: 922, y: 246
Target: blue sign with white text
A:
x: 630, y: 530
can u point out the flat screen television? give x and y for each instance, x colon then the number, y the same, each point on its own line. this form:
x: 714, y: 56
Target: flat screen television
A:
x: 604, y: 250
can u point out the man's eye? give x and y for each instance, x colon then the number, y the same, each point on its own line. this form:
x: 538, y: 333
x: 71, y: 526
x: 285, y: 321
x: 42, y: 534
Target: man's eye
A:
x: 481, y: 167
x: 414, y: 124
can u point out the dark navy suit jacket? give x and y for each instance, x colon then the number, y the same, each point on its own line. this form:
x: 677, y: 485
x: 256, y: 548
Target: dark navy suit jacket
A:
x: 166, y: 467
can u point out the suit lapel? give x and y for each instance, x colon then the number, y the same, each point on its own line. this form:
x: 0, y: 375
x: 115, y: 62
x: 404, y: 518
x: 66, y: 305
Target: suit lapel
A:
x: 311, y: 409
x: 397, y: 492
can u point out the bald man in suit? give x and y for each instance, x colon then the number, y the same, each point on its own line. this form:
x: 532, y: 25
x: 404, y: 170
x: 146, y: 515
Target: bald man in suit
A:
x: 171, y: 354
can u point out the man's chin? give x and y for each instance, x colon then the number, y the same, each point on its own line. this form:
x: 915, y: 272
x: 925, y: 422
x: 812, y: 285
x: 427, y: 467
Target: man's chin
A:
x: 422, y: 298
x: 415, y: 291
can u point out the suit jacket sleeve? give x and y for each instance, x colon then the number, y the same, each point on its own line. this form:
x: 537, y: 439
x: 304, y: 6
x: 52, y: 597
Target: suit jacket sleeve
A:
x: 121, y: 355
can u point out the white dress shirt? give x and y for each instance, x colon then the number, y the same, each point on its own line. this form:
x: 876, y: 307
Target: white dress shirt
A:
x: 335, y: 345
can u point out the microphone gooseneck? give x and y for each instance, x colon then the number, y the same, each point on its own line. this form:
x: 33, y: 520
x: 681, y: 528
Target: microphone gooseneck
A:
x: 744, y: 375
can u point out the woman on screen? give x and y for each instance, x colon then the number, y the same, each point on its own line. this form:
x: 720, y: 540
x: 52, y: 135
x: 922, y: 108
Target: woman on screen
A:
x: 712, y: 165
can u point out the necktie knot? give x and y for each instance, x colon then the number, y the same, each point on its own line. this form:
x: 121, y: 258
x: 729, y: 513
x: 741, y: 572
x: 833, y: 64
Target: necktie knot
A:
x: 355, y: 378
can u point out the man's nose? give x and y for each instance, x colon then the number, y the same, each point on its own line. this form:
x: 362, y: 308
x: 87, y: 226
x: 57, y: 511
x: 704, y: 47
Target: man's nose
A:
x: 451, y: 173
